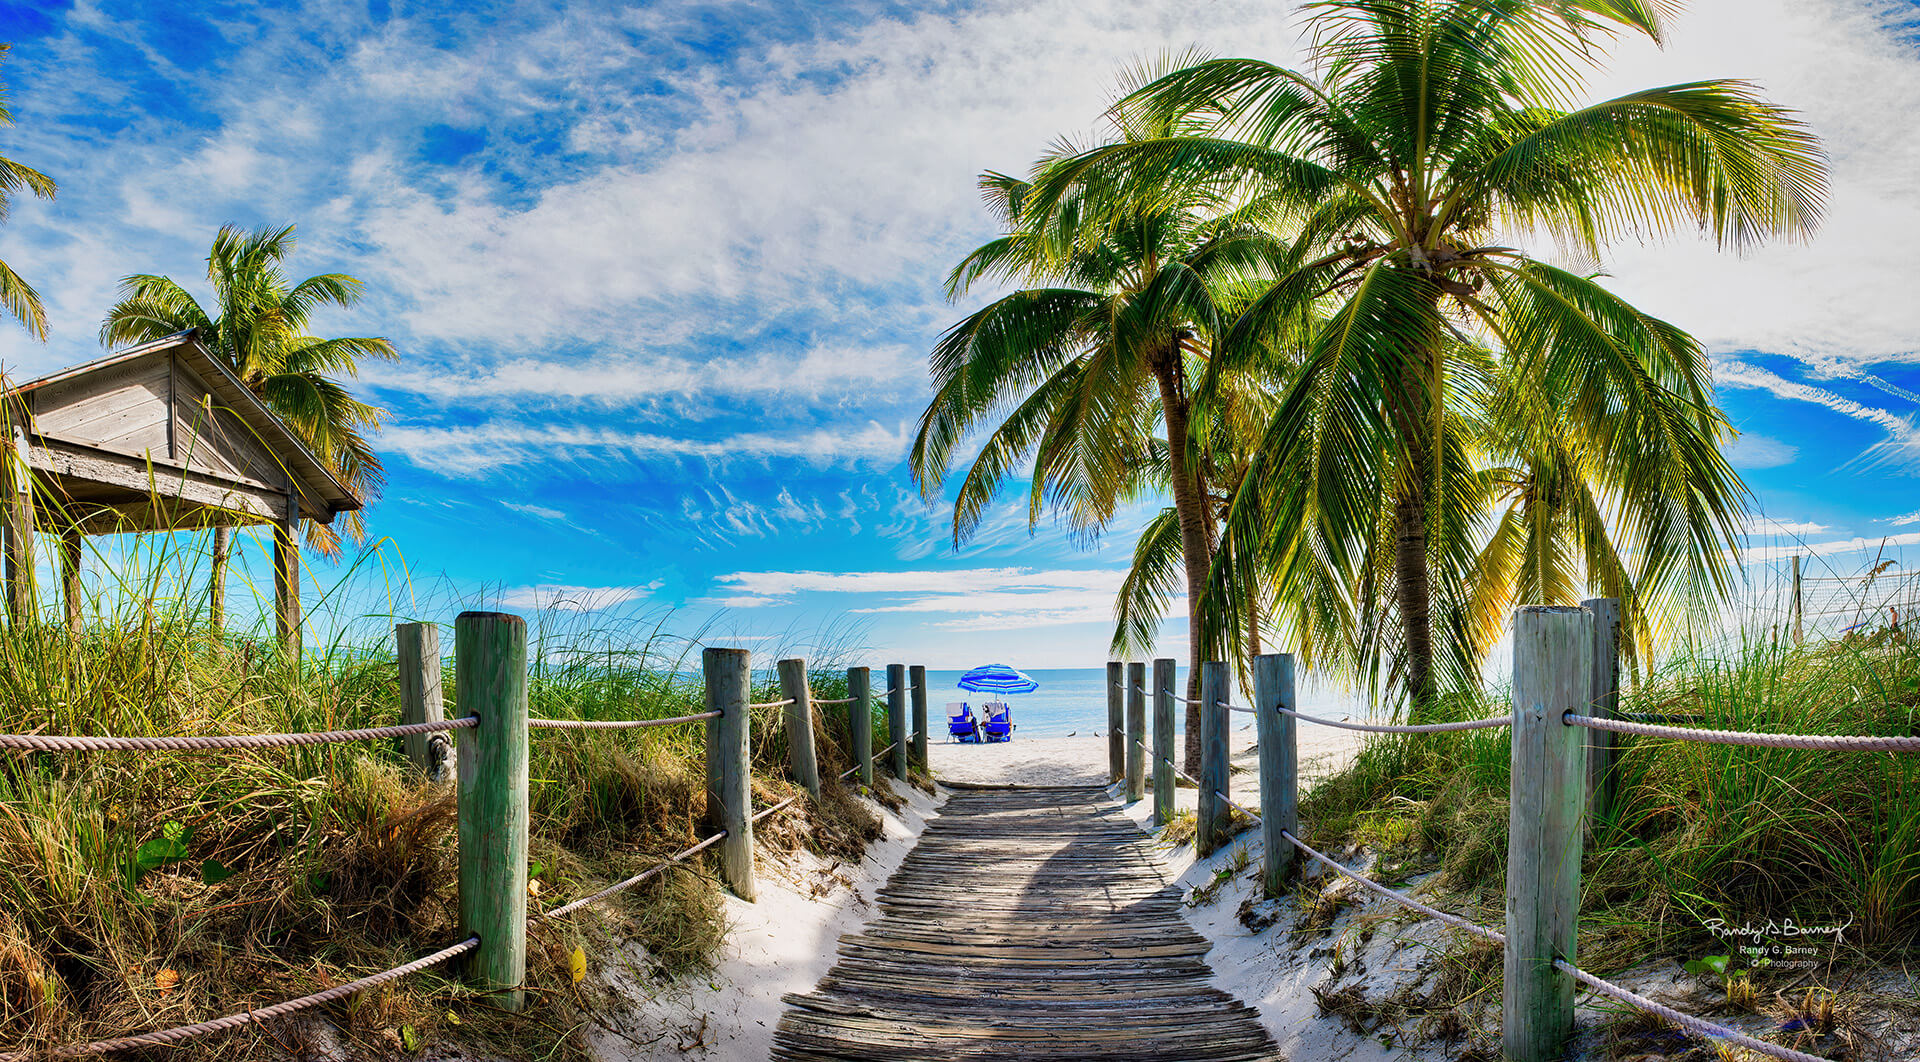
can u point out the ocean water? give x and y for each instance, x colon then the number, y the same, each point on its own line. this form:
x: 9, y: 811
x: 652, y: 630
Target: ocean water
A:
x: 1074, y: 700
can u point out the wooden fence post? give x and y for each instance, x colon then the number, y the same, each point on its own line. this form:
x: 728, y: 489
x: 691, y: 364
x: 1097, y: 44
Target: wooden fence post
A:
x: 897, y: 720
x: 1552, y: 670
x: 1136, y: 731
x: 71, y: 594
x: 1214, y: 812
x: 1279, y: 765
x: 1116, y: 723
x: 490, y: 681
x: 801, y: 758
x: 1799, y: 605
x: 417, y: 649
x: 729, y: 776
x: 917, y: 679
x: 17, y: 481
x: 860, y: 720
x: 1163, y: 679
x: 1603, y: 696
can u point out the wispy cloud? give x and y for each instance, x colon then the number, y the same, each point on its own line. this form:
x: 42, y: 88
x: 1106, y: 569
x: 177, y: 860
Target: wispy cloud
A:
x: 1902, y: 444
x: 1762, y: 525
x: 496, y: 447
x: 1837, y: 547
x: 970, y: 598
x: 558, y: 598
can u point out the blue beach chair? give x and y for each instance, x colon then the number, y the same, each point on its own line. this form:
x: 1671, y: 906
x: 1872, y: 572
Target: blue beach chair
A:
x: 999, y: 722
x: 962, y: 724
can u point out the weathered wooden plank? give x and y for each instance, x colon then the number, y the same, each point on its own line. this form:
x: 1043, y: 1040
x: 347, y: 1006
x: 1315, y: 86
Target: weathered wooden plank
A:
x: 801, y: 758
x: 1026, y: 924
x: 1116, y: 722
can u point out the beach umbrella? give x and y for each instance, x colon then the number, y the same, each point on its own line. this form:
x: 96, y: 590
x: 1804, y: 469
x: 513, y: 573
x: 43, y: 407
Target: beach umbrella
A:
x: 996, y: 678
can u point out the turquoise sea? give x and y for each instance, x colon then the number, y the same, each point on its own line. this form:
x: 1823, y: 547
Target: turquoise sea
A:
x: 1074, y: 700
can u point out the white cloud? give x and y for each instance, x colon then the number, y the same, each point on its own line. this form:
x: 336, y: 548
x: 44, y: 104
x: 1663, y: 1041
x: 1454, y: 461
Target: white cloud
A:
x: 1762, y: 525
x: 1770, y: 554
x: 973, y: 598
x: 1754, y: 451
x: 1900, y: 447
x: 538, y: 512
x: 486, y: 449
x: 1905, y: 521
x: 559, y: 598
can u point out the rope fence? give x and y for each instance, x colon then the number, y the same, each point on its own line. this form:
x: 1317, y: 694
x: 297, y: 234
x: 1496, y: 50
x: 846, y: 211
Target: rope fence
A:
x: 1235, y: 708
x: 1397, y: 897
x: 834, y: 700
x: 1685, y: 1021
x: 1831, y: 743
x: 249, y: 1017
x: 1419, y: 728
x: 772, y: 704
x: 782, y: 806
x: 203, y: 742
x: 671, y: 861
x: 617, y: 724
x: 1242, y: 808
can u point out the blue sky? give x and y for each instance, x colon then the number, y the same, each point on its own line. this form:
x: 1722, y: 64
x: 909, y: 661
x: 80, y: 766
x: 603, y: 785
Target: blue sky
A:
x: 664, y: 276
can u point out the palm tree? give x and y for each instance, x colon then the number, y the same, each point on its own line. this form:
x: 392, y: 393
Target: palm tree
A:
x: 1079, y: 373
x: 261, y: 333
x: 1439, y: 132
x: 16, y: 295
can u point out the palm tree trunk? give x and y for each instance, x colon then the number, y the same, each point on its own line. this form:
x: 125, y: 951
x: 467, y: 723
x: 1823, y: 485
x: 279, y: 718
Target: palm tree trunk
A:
x: 1413, y: 584
x: 1196, y: 537
x: 217, y: 581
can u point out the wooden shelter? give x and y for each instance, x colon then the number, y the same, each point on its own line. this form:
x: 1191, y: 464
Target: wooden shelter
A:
x: 157, y: 437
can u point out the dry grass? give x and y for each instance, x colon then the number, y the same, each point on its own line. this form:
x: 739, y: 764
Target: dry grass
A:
x: 140, y: 891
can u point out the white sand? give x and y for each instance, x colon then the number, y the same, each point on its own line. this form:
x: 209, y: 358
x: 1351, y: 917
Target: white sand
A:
x: 1083, y: 759
x: 783, y: 943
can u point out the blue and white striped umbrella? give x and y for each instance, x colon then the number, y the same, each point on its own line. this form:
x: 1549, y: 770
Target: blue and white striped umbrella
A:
x: 996, y: 678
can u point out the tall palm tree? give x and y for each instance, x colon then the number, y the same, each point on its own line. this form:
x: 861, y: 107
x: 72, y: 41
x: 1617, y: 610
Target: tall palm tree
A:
x: 16, y: 295
x: 1080, y: 370
x: 1444, y: 132
x: 260, y: 331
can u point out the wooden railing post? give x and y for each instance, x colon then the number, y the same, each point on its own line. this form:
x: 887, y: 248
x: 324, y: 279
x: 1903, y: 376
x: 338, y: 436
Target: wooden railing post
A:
x: 897, y: 720
x: 801, y: 759
x: 1214, y: 812
x: 917, y: 679
x: 1603, y: 699
x: 729, y: 776
x: 860, y: 720
x: 1279, y: 765
x: 1136, y: 731
x: 1799, y: 605
x: 1116, y: 723
x: 417, y: 649
x: 490, y: 682
x: 1163, y: 679
x: 1552, y: 672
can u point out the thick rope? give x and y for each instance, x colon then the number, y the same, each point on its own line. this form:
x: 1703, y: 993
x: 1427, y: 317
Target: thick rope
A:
x: 888, y: 692
x: 61, y: 743
x: 1423, y: 728
x: 251, y: 1017
x: 1254, y: 815
x: 782, y: 806
x: 1836, y: 742
x: 772, y: 704
x: 671, y: 861
x: 1236, y: 708
x: 1400, y: 898
x: 1686, y: 1021
x: 616, y: 724
x: 839, y: 700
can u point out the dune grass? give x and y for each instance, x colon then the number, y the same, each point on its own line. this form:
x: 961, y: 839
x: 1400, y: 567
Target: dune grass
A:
x: 1704, y: 835
x: 145, y: 890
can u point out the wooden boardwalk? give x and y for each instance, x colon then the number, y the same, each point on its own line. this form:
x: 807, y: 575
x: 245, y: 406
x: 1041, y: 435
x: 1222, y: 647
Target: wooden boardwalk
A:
x: 1026, y: 924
